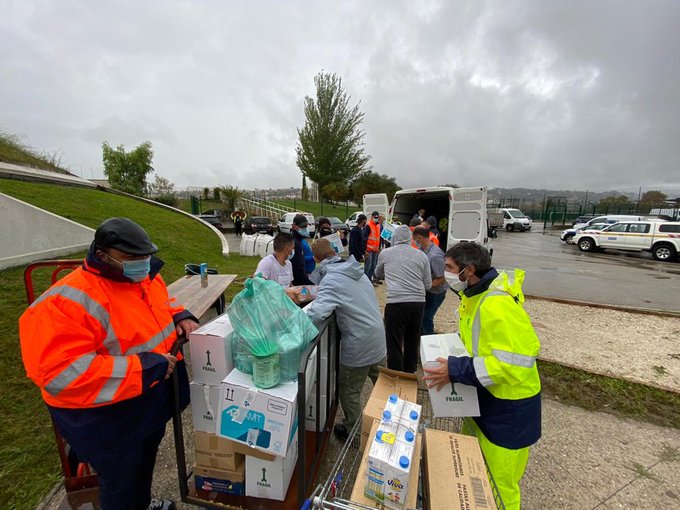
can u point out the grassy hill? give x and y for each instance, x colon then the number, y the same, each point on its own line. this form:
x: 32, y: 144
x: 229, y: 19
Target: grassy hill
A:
x: 14, y: 150
x: 29, y: 465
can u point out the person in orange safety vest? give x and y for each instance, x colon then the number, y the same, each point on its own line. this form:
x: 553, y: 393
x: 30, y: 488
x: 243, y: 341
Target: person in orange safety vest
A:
x: 372, y: 230
x: 97, y: 344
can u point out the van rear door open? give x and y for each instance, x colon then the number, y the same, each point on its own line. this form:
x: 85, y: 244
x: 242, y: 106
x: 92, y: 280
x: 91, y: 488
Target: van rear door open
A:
x: 375, y: 202
x: 467, y: 216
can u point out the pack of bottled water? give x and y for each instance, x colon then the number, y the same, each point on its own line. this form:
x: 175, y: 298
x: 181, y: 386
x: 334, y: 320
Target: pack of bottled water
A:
x: 391, y: 452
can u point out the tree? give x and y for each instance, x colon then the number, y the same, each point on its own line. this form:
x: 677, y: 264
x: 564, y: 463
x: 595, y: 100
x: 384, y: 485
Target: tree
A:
x: 216, y: 193
x: 161, y: 186
x: 373, y: 182
x: 652, y: 199
x: 127, y: 171
x: 206, y: 193
x: 335, y: 191
x: 330, y: 147
x: 305, y: 190
x: 231, y: 195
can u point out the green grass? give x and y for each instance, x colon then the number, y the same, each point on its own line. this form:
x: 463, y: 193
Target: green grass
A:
x: 14, y: 150
x: 29, y: 464
x: 601, y: 393
x: 314, y: 208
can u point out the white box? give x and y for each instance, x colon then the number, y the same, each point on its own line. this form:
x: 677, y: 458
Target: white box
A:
x: 263, y: 419
x: 270, y: 479
x: 453, y: 399
x: 210, y: 346
x: 205, y: 404
x: 310, y: 412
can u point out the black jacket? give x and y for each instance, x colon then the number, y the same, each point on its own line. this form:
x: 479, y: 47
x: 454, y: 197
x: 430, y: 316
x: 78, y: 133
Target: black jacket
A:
x: 357, y: 244
x: 298, y: 262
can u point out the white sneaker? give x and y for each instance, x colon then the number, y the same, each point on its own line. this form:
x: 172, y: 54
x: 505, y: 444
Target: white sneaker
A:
x: 162, y: 504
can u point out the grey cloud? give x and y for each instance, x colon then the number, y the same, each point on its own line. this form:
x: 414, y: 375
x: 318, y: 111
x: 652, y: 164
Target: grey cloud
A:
x: 556, y: 94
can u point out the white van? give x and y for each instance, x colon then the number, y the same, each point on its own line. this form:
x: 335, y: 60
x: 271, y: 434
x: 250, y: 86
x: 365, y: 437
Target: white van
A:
x: 463, y: 209
x: 514, y: 219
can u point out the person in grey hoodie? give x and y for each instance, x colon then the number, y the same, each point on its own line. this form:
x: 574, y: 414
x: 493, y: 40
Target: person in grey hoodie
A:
x: 407, y: 274
x: 345, y: 290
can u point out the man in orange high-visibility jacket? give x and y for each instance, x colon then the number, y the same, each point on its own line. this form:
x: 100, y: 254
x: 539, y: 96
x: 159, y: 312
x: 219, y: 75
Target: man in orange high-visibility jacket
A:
x: 372, y: 246
x: 97, y: 344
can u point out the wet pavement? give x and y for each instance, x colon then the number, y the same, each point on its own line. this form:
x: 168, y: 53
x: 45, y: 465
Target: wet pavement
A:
x: 555, y: 269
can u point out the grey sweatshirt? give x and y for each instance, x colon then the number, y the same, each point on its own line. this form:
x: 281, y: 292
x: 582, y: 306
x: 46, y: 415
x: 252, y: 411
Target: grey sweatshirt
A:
x: 405, y: 269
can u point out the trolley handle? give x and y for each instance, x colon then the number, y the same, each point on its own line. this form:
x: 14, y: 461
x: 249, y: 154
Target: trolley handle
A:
x: 177, y: 345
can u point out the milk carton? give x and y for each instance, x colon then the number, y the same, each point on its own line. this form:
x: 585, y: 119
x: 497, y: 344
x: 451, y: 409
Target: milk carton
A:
x: 389, y: 467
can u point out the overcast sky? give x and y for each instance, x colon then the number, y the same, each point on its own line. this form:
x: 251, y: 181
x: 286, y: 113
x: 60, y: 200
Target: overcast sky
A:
x: 562, y: 95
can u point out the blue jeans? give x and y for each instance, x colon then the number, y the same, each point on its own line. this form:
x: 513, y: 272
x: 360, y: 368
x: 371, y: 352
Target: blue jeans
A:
x: 432, y: 304
x: 370, y: 263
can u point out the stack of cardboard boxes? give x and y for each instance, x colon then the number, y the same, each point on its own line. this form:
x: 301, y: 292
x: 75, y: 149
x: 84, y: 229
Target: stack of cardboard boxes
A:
x: 245, y: 437
x: 219, y: 467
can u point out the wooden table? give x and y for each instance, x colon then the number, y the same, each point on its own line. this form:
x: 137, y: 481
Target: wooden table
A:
x: 198, y: 300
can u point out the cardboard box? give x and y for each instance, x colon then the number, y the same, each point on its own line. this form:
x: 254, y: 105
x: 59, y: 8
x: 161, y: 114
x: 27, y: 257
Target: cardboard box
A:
x: 216, y: 452
x: 358, y: 495
x: 220, y: 480
x: 262, y: 418
x: 455, y: 474
x: 205, y: 404
x: 453, y: 399
x: 404, y: 385
x: 210, y: 346
x: 310, y: 412
x: 270, y: 478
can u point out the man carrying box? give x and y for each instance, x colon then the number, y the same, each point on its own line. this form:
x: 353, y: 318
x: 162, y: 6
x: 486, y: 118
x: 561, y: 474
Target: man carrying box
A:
x: 345, y: 290
x: 503, y: 347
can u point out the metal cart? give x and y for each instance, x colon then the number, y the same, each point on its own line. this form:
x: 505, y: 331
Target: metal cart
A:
x: 311, y: 445
x: 335, y: 491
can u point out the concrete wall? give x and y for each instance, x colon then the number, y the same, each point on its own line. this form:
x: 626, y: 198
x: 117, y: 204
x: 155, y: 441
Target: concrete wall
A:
x: 28, y: 233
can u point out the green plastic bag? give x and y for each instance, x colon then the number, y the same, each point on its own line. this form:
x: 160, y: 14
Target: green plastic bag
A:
x: 268, y: 322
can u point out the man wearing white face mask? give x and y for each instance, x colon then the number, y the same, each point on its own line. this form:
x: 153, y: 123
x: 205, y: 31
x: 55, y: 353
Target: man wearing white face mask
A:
x: 503, y: 348
x: 277, y: 266
x: 97, y: 344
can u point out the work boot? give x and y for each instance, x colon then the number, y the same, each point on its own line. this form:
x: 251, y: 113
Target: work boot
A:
x: 341, y: 432
x: 162, y: 504
x: 376, y: 281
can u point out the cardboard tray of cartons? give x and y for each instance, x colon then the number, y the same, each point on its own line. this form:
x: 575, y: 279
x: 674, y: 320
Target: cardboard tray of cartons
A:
x: 403, y: 384
x: 454, y: 474
x: 215, y: 452
x: 360, y: 481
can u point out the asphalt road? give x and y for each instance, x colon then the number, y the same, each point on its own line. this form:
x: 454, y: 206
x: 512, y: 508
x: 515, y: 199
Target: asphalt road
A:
x: 555, y: 269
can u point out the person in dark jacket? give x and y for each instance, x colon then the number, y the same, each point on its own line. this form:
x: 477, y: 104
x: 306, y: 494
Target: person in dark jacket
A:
x: 303, y: 259
x: 357, y: 243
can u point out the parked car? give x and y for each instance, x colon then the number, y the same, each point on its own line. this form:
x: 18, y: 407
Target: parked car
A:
x: 661, y: 238
x: 611, y: 219
x: 337, y: 224
x: 213, y: 219
x: 258, y: 225
x: 286, y: 222
x: 568, y: 235
x: 583, y: 219
x: 352, y: 220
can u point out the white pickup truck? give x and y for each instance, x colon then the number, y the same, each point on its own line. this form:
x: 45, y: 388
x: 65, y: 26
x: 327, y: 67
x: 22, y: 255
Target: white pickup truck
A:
x: 661, y: 238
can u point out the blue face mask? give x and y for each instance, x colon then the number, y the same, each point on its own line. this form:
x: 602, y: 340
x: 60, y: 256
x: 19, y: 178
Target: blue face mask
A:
x: 304, y: 232
x: 290, y: 257
x: 135, y: 270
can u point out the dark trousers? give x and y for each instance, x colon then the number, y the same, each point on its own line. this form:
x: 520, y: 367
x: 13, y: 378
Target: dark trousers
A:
x: 432, y: 304
x: 402, y: 329
x: 125, y: 479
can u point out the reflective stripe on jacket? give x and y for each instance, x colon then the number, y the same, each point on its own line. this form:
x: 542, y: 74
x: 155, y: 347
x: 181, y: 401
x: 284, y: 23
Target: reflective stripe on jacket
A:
x: 498, y: 334
x: 373, y: 243
x: 86, y: 341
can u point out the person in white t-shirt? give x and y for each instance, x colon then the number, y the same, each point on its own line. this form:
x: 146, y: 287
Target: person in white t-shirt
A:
x: 277, y: 267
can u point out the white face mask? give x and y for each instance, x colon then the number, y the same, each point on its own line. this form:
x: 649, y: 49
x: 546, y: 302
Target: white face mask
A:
x: 454, y: 280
